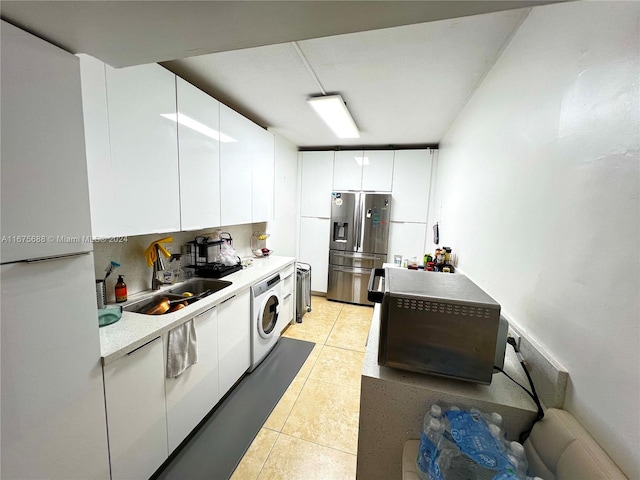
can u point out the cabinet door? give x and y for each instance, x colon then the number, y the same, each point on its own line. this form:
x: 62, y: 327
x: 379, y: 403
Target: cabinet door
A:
x: 136, y: 413
x: 407, y: 239
x: 316, y: 184
x: 234, y: 339
x: 52, y: 398
x: 314, y: 250
x: 144, y: 197
x: 199, y: 157
x: 411, y: 185
x: 262, y: 175
x: 44, y: 191
x: 287, y: 292
x: 347, y: 170
x: 235, y: 168
x: 191, y: 395
x: 96, y: 134
x: 377, y: 170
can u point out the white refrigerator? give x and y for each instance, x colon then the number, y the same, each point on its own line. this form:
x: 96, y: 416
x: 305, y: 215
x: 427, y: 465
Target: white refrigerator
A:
x: 52, y: 398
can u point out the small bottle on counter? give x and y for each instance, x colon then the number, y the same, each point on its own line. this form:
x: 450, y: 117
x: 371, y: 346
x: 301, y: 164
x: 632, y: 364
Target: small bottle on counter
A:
x: 121, y: 290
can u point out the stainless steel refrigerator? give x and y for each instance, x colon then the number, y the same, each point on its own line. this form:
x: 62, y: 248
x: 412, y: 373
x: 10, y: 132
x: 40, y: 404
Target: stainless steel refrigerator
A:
x: 358, y: 243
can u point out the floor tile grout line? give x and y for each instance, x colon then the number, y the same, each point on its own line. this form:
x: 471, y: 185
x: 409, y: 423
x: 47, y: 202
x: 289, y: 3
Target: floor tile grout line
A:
x: 268, y: 455
x: 319, y: 444
x: 305, y: 379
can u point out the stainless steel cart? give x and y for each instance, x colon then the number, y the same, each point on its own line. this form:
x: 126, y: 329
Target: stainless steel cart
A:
x: 303, y: 290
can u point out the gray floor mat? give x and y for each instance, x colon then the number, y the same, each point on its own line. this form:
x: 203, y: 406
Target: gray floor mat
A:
x: 216, y: 448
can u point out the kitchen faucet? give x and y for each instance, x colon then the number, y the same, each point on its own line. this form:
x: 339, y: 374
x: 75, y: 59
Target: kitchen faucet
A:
x: 158, y: 266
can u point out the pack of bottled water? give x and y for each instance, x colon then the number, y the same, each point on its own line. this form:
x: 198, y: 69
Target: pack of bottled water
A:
x: 458, y: 444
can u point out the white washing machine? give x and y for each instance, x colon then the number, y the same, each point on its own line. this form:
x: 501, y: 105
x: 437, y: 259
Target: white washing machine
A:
x: 266, y: 302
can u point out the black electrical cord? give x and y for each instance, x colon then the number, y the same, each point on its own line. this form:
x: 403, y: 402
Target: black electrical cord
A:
x: 532, y: 393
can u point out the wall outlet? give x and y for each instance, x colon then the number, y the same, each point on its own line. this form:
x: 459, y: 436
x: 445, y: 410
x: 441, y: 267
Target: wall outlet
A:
x: 516, y: 336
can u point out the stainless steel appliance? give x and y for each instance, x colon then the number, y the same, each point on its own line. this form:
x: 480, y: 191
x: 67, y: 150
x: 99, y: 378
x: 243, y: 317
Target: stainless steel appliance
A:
x: 358, y: 243
x: 438, y: 323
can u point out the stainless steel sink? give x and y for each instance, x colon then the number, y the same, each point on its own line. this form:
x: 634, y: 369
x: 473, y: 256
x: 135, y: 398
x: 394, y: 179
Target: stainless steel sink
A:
x: 199, y: 285
x: 195, y: 286
x: 145, y: 304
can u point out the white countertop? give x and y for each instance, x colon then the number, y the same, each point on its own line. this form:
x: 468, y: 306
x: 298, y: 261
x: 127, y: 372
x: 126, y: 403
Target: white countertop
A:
x: 135, y: 329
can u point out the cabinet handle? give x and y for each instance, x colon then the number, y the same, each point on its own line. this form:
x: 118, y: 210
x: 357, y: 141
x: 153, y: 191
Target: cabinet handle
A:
x: 287, y: 296
x: 48, y: 259
x: 206, y: 311
x: 142, y: 346
x: 225, y: 301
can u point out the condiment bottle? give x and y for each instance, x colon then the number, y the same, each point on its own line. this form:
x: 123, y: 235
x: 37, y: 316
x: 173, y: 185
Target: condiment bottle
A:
x: 121, y: 290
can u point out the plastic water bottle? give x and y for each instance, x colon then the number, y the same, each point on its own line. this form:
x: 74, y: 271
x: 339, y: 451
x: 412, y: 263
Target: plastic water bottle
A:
x: 495, y: 418
x: 517, y: 455
x: 430, y: 443
x: 434, y: 412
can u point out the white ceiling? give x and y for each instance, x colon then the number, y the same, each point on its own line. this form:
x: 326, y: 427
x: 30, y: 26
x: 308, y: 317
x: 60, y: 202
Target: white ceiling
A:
x: 403, y: 84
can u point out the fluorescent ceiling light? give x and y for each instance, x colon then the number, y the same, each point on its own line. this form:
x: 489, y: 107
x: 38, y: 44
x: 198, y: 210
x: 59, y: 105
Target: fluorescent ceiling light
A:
x: 362, y: 160
x: 333, y: 111
x: 189, y: 122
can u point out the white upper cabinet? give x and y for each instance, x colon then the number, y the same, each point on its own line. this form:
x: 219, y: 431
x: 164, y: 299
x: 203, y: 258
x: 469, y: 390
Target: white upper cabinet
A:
x: 263, y: 175
x: 411, y: 185
x: 235, y: 167
x: 144, y: 150
x: 347, y: 170
x: 316, y: 183
x: 199, y: 157
x: 44, y: 173
x: 377, y: 170
x: 132, y: 148
x: 369, y: 170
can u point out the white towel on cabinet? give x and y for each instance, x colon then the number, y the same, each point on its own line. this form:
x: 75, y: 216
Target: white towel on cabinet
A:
x: 182, y: 351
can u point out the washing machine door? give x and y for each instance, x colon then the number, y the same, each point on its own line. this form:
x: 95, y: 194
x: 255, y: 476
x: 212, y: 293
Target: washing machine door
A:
x: 269, y: 314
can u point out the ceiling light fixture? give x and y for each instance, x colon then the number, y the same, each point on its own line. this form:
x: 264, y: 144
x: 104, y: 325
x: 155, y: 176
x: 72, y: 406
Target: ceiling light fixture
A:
x: 331, y: 108
x: 189, y: 122
x: 333, y: 111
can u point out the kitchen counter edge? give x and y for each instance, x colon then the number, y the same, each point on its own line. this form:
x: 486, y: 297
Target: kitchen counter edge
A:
x: 134, y: 330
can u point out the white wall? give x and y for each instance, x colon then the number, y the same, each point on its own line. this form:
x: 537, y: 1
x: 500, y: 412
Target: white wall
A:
x: 537, y: 192
x: 283, y: 228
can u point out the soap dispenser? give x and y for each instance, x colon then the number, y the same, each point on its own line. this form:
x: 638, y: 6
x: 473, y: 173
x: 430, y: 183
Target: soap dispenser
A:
x: 121, y: 290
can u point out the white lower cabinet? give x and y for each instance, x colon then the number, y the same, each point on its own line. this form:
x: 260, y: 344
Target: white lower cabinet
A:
x: 407, y: 239
x: 288, y: 299
x: 136, y: 412
x: 234, y: 339
x: 314, y: 250
x: 191, y: 395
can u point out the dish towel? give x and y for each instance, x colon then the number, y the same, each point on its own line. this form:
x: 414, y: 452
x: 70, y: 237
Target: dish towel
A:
x: 182, y: 351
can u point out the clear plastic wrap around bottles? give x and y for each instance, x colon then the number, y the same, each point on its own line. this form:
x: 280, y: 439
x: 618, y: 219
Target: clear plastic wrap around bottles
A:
x: 467, y: 445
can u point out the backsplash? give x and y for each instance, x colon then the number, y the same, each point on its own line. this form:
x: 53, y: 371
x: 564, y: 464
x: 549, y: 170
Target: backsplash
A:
x: 133, y: 264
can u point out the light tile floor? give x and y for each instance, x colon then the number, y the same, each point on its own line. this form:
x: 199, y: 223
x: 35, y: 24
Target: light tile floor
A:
x: 312, y: 432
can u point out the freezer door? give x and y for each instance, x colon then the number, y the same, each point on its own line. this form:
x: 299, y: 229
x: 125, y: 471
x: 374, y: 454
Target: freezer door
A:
x: 345, y: 221
x: 358, y: 260
x: 375, y: 213
x: 53, y: 412
x: 348, y: 284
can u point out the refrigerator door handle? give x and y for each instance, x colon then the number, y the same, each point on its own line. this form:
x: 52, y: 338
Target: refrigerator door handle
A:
x: 357, y: 223
x: 363, y: 257
x: 361, y: 198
